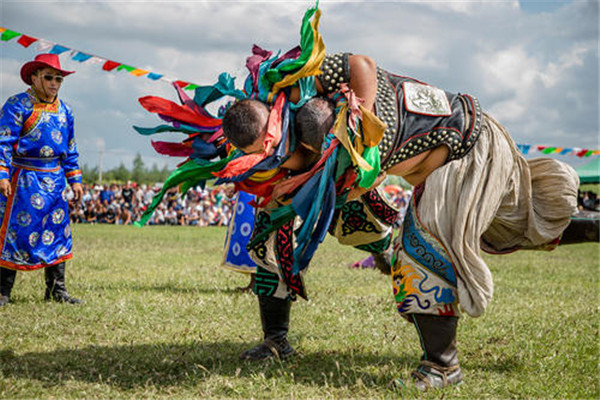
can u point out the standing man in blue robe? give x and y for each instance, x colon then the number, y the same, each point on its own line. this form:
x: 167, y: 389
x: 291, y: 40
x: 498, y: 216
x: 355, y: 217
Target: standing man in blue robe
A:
x: 38, y: 157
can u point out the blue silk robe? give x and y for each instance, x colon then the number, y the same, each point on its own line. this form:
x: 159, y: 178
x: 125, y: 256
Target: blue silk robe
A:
x: 39, y: 156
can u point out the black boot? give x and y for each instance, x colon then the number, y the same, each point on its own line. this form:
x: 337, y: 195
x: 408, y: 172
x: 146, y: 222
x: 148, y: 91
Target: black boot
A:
x: 439, y: 365
x: 383, y: 262
x: 581, y: 230
x: 7, y: 280
x: 55, y: 285
x: 275, y: 319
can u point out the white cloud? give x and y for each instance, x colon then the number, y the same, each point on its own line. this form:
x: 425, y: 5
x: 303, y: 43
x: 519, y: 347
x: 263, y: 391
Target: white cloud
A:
x: 509, y: 69
x: 468, y: 7
x: 537, y: 73
x: 556, y: 70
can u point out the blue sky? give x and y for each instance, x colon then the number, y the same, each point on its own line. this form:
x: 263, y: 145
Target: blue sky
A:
x: 532, y: 64
x: 539, y: 6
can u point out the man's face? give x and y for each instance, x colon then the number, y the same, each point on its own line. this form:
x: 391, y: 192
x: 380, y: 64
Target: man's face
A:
x: 46, y: 82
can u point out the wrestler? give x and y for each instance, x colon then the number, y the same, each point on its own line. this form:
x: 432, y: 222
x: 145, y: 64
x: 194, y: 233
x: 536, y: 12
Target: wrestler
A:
x: 473, y: 191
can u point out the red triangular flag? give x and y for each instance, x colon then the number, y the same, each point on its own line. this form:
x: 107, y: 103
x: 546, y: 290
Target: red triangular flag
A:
x: 181, y: 84
x: 110, y: 65
x: 25, y: 40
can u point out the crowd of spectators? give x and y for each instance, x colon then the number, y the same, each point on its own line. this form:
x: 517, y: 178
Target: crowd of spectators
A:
x: 124, y: 204
x: 400, y: 199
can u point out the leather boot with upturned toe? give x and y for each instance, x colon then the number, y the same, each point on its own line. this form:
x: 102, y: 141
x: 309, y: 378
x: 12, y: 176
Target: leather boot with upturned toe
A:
x: 275, y: 319
x: 56, y: 289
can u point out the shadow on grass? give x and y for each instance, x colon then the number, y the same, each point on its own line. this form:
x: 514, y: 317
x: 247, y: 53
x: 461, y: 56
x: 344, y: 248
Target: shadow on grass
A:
x: 164, y: 365
x: 164, y: 287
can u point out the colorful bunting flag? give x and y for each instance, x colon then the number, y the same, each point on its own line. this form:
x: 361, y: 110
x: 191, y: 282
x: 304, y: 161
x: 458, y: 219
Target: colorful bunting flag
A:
x: 110, y: 65
x: 527, y: 149
x: 8, y: 35
x: 181, y: 84
x: 58, y: 49
x: 81, y: 57
x: 154, y: 76
x: 44, y: 46
x: 127, y: 68
x: 139, y: 72
x: 26, y: 41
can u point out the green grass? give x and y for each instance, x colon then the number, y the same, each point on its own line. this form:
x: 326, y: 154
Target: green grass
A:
x: 161, y: 319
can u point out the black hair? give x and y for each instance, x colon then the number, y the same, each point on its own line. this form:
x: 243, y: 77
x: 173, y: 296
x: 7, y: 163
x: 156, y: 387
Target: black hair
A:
x: 242, y: 122
x: 314, y: 120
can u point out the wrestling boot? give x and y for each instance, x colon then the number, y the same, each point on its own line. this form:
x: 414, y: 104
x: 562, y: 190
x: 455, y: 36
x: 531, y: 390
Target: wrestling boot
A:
x: 383, y: 262
x: 7, y: 280
x: 275, y: 319
x: 581, y: 230
x: 439, y: 365
x: 55, y: 285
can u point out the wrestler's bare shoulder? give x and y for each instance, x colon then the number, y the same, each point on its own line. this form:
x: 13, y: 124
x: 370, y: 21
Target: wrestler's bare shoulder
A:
x: 416, y: 169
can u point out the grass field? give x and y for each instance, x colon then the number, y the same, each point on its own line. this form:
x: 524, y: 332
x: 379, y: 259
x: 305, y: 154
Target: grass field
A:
x: 162, y: 320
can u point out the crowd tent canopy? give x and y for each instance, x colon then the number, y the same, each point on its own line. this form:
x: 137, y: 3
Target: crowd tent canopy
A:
x: 590, y: 172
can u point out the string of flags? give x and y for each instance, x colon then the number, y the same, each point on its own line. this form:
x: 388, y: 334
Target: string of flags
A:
x: 527, y: 149
x: 47, y: 46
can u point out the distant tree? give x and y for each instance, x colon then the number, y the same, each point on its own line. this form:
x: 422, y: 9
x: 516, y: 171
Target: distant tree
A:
x: 138, y: 173
x: 89, y: 175
x: 164, y: 173
x: 121, y: 174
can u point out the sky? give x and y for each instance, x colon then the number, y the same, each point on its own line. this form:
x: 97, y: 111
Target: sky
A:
x: 532, y: 64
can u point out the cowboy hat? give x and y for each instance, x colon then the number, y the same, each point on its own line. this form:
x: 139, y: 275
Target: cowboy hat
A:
x: 41, y: 61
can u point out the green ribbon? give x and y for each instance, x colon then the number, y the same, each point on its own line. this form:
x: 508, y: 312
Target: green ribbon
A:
x: 367, y: 178
x: 164, y: 128
x: 190, y: 174
x: 307, y: 39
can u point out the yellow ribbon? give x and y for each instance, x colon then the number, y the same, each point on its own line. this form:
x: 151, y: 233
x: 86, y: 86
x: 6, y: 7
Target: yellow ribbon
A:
x: 372, y: 133
x: 262, y: 176
x: 312, y: 65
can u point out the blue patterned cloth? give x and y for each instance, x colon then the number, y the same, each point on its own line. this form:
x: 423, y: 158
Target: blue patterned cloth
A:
x: 39, y: 156
x: 236, y: 256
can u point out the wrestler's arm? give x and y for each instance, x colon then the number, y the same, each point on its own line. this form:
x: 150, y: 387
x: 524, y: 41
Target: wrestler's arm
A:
x: 363, y: 81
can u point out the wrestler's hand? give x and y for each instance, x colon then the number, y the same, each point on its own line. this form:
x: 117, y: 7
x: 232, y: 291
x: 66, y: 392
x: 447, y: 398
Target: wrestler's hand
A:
x: 77, y: 191
x: 5, y: 187
x: 359, y: 191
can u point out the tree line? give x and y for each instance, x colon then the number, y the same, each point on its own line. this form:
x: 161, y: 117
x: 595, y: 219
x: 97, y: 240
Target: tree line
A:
x: 138, y: 173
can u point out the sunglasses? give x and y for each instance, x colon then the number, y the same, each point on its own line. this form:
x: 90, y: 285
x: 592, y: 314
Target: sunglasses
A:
x: 49, y: 78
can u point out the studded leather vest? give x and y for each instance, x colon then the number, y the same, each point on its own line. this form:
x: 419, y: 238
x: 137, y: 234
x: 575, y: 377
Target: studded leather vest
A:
x: 419, y: 117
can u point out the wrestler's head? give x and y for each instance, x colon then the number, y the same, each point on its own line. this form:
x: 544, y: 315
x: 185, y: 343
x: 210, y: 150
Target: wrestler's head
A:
x: 313, y: 121
x: 245, y: 125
